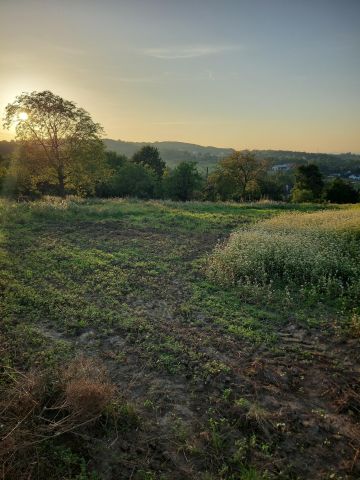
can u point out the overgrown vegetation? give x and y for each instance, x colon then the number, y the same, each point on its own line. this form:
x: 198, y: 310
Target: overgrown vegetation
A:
x: 317, y: 252
x: 228, y: 382
x: 310, y: 256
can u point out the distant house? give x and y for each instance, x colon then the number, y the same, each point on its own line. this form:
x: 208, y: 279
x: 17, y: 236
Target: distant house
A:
x: 283, y: 167
x: 354, y: 177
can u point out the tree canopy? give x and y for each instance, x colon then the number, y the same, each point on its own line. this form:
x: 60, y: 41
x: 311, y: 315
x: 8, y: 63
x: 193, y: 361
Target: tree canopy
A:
x: 60, y: 142
x: 339, y: 191
x: 128, y: 179
x: 309, y: 184
x: 236, y: 176
x: 150, y: 156
x: 182, y: 182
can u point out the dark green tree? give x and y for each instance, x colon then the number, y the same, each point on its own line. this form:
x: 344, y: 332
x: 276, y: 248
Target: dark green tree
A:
x: 130, y: 180
x: 308, y: 185
x: 183, y: 181
x: 272, y: 186
x: 339, y: 191
x: 150, y: 156
x: 115, y: 160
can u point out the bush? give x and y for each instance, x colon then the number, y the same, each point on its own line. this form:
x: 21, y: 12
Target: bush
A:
x: 339, y: 191
x: 302, y: 196
x: 320, y: 250
x: 130, y: 179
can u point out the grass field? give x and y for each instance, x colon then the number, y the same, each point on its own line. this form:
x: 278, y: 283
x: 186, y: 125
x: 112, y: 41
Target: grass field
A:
x: 214, y: 380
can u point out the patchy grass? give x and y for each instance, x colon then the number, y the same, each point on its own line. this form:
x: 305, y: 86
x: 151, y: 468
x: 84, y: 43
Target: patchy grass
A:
x: 225, y: 381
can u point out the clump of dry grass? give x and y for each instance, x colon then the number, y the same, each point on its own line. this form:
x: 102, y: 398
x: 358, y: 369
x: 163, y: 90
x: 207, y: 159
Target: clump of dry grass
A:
x: 87, y: 388
x: 319, y: 250
x: 38, y: 406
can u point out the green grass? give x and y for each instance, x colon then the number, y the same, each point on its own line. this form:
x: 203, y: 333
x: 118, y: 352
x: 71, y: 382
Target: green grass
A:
x: 125, y: 280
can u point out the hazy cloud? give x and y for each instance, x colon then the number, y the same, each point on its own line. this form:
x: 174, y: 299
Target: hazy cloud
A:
x: 174, y: 53
x: 193, y: 122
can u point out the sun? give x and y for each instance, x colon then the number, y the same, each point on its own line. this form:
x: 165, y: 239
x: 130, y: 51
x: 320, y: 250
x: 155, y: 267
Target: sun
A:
x: 23, y: 116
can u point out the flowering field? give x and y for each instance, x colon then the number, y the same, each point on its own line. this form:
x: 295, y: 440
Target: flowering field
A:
x: 317, y: 252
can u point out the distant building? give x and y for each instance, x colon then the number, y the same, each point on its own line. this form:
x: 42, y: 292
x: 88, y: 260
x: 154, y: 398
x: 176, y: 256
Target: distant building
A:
x: 354, y: 177
x: 283, y: 167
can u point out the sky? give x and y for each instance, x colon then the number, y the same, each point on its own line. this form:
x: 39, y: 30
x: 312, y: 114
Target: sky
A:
x: 256, y: 74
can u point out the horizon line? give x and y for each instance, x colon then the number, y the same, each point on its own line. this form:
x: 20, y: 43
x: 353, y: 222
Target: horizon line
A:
x: 220, y: 147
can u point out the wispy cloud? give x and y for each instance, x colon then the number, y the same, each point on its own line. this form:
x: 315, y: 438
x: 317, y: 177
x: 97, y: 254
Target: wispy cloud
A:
x: 191, y: 51
x: 192, y: 122
x: 144, y: 79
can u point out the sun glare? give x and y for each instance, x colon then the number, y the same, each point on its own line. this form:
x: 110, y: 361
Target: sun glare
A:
x: 23, y: 116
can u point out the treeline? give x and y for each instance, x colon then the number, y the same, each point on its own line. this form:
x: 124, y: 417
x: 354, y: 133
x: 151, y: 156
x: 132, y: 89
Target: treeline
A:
x: 239, y: 177
x: 145, y: 175
x: 59, y: 151
x: 328, y: 164
x: 175, y: 152
x: 310, y: 187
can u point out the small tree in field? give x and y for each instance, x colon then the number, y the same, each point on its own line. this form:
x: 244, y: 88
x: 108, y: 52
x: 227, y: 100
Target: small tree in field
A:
x: 237, y: 176
x: 149, y: 156
x: 60, y: 142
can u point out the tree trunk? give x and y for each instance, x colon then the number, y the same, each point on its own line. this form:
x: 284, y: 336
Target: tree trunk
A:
x: 61, y: 179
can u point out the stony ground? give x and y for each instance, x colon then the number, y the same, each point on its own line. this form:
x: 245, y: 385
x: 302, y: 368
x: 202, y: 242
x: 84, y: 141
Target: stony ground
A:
x: 226, y: 383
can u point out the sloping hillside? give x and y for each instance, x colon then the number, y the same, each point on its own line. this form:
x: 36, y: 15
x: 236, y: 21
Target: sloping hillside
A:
x: 207, y: 157
x: 174, y: 152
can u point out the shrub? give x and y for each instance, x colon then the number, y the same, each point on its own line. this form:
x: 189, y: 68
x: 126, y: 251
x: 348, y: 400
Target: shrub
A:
x: 130, y: 179
x: 320, y: 250
x: 302, y: 196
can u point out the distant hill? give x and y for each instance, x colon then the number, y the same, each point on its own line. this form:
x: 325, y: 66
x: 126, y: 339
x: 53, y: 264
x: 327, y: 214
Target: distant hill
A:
x: 207, y: 157
x: 174, y: 152
x: 343, y: 164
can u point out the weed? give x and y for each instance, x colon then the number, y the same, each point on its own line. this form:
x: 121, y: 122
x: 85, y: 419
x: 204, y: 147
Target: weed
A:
x: 227, y: 393
x: 355, y: 324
